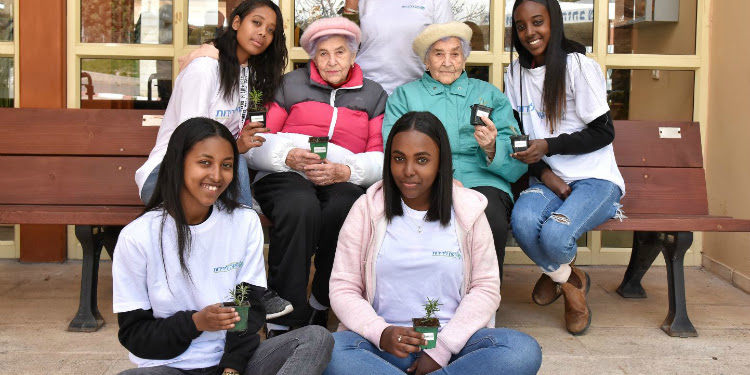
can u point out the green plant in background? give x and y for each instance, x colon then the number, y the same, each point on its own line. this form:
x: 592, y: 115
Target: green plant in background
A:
x: 256, y: 99
x: 239, y: 294
x: 431, y: 308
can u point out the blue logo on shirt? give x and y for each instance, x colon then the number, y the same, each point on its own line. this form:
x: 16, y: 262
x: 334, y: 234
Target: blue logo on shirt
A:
x: 447, y: 254
x: 530, y: 108
x: 413, y: 7
x: 228, y: 267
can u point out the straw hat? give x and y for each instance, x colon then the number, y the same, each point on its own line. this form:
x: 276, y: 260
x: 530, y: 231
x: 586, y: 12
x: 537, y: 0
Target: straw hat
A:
x: 437, y: 31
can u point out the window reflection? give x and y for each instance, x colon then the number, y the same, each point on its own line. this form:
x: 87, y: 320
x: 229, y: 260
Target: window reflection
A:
x: 7, y: 92
x: 642, y: 26
x: 120, y: 83
x: 6, y: 20
x: 126, y: 21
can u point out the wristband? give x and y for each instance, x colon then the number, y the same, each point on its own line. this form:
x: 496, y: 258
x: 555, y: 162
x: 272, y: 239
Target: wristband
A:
x: 350, y: 10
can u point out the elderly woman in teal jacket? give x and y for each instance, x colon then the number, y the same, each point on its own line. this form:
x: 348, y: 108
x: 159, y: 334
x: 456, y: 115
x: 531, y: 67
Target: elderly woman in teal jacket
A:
x: 481, y: 153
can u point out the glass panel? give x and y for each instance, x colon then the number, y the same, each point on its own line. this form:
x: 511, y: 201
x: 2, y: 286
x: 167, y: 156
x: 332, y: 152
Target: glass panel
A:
x: 617, y: 239
x: 125, y: 84
x: 126, y: 21
x: 578, y: 21
x: 7, y: 92
x: 631, y: 94
x: 206, y: 18
x: 665, y: 27
x: 309, y: 11
x: 476, y: 14
x: 478, y: 72
x: 6, y: 20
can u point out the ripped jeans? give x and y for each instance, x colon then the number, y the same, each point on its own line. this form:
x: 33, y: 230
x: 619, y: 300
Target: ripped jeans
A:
x: 547, y: 227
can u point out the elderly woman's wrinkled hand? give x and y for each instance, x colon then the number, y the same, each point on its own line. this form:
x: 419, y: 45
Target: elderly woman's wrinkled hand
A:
x: 485, y: 136
x: 327, y: 173
x: 207, y: 49
x: 537, y: 149
x: 248, y: 138
x: 299, y: 158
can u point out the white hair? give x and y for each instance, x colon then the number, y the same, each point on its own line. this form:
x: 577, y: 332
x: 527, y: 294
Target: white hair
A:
x: 351, y: 43
x: 465, y: 46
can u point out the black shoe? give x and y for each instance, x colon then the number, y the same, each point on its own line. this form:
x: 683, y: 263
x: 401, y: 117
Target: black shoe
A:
x: 271, y: 333
x: 318, y: 317
x: 275, y: 305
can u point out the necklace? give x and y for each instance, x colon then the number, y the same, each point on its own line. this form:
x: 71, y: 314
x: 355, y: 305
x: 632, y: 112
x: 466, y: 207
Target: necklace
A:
x: 419, y: 227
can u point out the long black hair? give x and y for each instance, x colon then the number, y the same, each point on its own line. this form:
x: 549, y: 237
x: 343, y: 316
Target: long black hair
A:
x: 266, y: 69
x: 555, y: 60
x: 441, y: 194
x: 171, y: 181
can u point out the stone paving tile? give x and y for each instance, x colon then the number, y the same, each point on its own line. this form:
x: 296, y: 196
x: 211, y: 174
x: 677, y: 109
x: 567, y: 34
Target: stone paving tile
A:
x: 38, y: 301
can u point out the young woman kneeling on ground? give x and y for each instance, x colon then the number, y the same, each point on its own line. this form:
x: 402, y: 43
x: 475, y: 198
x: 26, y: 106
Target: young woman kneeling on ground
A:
x: 176, y: 263
x: 416, y: 235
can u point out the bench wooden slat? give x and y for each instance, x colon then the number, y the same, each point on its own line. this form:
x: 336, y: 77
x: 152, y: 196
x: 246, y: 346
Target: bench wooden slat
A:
x: 75, y: 132
x: 637, y: 144
x: 671, y: 191
x: 70, y: 215
x: 676, y: 223
x: 70, y: 180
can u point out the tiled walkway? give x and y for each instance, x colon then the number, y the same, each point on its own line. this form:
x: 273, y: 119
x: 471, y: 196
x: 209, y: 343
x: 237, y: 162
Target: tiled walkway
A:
x: 38, y: 301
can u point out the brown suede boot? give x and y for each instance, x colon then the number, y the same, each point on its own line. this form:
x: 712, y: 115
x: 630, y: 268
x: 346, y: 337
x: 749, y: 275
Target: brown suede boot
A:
x: 546, y: 291
x: 577, y: 312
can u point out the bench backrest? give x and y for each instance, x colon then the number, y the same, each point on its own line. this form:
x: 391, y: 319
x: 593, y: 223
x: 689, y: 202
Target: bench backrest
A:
x: 662, y: 164
x: 72, y: 156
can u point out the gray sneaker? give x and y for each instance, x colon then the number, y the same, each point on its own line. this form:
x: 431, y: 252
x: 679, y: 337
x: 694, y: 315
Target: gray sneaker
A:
x: 275, y: 305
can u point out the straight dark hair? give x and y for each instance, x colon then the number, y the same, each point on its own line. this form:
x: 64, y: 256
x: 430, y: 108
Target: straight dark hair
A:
x: 555, y: 60
x: 441, y: 194
x: 266, y: 69
x: 171, y: 181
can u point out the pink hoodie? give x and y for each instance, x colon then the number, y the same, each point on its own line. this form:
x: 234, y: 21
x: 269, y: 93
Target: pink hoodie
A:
x: 352, y: 284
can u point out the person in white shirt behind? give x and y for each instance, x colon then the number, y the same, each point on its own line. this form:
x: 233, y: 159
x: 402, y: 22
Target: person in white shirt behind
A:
x: 388, y: 28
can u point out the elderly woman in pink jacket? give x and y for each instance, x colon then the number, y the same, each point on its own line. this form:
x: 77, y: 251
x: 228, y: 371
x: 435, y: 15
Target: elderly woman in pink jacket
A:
x: 414, y: 236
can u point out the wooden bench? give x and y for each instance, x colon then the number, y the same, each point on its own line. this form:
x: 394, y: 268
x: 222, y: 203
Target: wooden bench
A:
x: 665, y: 202
x: 75, y: 167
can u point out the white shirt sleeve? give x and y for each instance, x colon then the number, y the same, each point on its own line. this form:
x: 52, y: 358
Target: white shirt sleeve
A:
x: 588, y: 86
x: 129, y: 276
x: 195, y: 89
x: 443, y: 11
x: 253, y: 267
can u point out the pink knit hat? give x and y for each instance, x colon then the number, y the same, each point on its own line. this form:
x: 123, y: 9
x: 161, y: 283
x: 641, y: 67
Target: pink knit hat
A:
x: 329, y: 26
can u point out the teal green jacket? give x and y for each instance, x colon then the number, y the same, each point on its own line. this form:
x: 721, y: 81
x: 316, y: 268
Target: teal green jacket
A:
x: 451, y: 104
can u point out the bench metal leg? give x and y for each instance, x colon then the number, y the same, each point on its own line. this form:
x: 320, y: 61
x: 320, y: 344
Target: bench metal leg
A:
x: 646, y: 247
x: 677, y: 322
x: 88, y: 318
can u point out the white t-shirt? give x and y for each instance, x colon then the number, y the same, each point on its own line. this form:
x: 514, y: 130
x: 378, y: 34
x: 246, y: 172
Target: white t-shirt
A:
x: 412, y: 266
x: 226, y: 250
x: 585, y: 100
x: 196, y: 94
x: 388, y: 31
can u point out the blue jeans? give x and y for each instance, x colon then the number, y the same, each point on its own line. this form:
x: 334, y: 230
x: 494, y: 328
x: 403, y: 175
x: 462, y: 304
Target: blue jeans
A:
x: 547, y: 227
x: 243, y: 178
x: 488, y: 351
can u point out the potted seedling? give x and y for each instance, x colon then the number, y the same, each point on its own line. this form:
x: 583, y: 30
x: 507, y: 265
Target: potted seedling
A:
x: 478, y: 111
x: 429, y: 324
x: 319, y: 145
x: 256, y: 112
x: 240, y: 301
x: 519, y: 142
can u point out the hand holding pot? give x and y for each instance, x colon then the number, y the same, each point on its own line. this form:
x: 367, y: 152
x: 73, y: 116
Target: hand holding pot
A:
x: 299, y: 158
x: 248, y: 138
x: 424, y: 365
x: 537, y: 149
x: 555, y: 183
x: 215, y: 318
x: 327, y: 173
x: 485, y: 136
x: 409, y: 341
